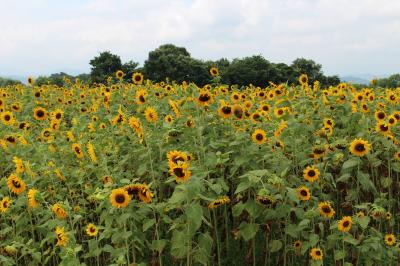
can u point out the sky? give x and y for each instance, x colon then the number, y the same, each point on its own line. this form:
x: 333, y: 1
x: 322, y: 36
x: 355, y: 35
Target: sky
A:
x: 346, y: 37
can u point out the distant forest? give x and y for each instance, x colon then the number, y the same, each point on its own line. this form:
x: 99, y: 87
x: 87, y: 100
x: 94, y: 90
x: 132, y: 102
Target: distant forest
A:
x: 176, y: 64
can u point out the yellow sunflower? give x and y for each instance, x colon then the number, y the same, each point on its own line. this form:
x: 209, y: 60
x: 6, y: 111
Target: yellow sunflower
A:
x: 204, y: 98
x: 225, y: 110
x: 5, y: 204
x: 174, y: 157
x: 140, y: 96
x: 219, y: 202
x: 311, y: 173
x: 151, y: 115
x: 59, y: 211
x: 7, y: 118
x: 91, y: 230
x: 390, y: 239
x: 316, y: 254
x: 119, y: 74
x: 180, y: 171
x: 169, y: 119
x: 32, y: 202
x: 77, y: 150
x: 359, y: 147
x: 40, y: 113
x: 259, y: 136
x: 119, y: 198
x: 325, y: 209
x: 303, y: 79
x: 397, y: 156
x: 137, y: 78
x: 62, y: 237
x: 345, y: 223
x: 214, y: 71
x: 303, y: 193
x: 15, y: 184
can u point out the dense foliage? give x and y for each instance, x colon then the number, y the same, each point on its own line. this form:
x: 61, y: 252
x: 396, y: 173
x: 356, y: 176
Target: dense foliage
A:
x: 142, y: 173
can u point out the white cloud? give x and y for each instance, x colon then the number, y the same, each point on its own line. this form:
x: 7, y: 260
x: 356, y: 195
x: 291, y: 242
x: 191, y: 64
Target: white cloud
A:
x: 43, y: 36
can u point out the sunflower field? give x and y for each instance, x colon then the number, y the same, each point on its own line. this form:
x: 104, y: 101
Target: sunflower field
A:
x: 145, y: 173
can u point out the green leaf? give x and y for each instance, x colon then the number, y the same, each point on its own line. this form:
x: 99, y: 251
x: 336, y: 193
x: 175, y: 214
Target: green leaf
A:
x: 292, y: 194
x: 248, y: 231
x: 339, y: 254
x: 364, y: 221
x: 158, y: 245
x: 349, y: 239
x: 350, y: 163
x: 275, y: 245
x: 179, y: 244
x: 148, y: 223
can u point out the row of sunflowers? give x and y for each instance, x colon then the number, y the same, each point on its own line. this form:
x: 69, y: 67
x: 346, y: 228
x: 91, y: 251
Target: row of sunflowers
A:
x: 147, y: 173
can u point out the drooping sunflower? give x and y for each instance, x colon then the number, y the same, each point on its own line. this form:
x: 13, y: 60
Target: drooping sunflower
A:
x: 19, y: 165
x: 7, y: 118
x: 137, y: 78
x: 344, y: 225
x: 62, y: 237
x: 91, y: 152
x: 77, y: 150
x: 180, y: 171
x: 151, y: 115
x: 303, y: 193
x: 91, y: 230
x: 32, y: 202
x: 5, y: 204
x: 15, y: 184
x: 359, y: 147
x: 390, y: 239
x: 268, y: 200
x: 214, y: 71
x: 140, y: 191
x: 311, y: 173
x: 316, y: 254
x: 40, y: 113
x: 259, y: 136
x: 119, y: 198
x: 30, y: 80
x: 219, y: 202
x: 325, y: 209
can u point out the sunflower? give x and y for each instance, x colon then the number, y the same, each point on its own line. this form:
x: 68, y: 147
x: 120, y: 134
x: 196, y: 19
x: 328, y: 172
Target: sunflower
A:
x: 140, y: 191
x: 390, y: 239
x: 91, y: 230
x: 383, y: 128
x: 219, y: 202
x: 279, y: 112
x: 5, y: 204
x: 380, y: 115
x: 204, y: 98
x: 303, y: 79
x: 297, y: 244
x: 119, y: 74
x: 214, y: 71
x: 119, y: 198
x: 359, y: 147
x: 46, y: 134
x: 32, y: 195
x: 318, y: 152
x: 137, y: 78
x: 259, y: 136
x: 266, y: 200
x: 15, y: 184
x: 168, y: 119
x: 59, y: 211
x: 91, y: 152
x: 19, y: 165
x: 392, y: 120
x: 134, y: 123
x: 316, y: 254
x: 311, y: 173
x: 303, y: 193
x: 62, y: 237
x: 40, y: 114
x: 325, y: 209
x: 107, y: 180
x: 345, y: 223
x: 78, y: 150
x: 238, y: 111
x: 24, y: 126
x: 180, y: 171
x: 328, y: 122
x: 265, y: 107
x: 397, y: 156
x: 30, y: 81
x: 7, y: 118
x: 174, y: 157
x: 225, y: 110
x: 140, y: 96
x: 151, y: 115
x: 235, y: 97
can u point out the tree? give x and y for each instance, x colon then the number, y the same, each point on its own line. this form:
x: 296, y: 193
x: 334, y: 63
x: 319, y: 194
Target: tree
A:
x: 309, y: 67
x: 8, y: 82
x: 104, y: 65
x: 254, y: 70
x: 392, y: 81
x: 129, y: 68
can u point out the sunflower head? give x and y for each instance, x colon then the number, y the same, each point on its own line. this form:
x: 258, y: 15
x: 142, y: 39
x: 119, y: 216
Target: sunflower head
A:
x: 119, y: 198
x: 325, y: 209
x: 303, y: 79
x: 390, y: 239
x: 316, y: 254
x: 359, y: 147
x: 345, y: 223
x: 311, y: 173
x: 214, y: 71
x: 137, y: 78
x: 259, y: 136
x: 91, y: 230
x: 303, y: 193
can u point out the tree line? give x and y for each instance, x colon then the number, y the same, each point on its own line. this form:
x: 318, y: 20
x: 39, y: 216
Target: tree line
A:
x: 176, y: 64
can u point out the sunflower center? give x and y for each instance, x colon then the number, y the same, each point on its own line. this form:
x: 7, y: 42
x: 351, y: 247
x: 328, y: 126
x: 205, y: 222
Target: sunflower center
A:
x: 318, y: 253
x: 360, y: 147
x: 40, y: 113
x: 383, y: 128
x: 326, y: 209
x: 141, y: 99
x: 311, y: 173
x: 280, y: 111
x: 137, y: 78
x: 259, y: 137
x: 179, y: 172
x: 381, y: 115
x: 120, y: 198
x: 58, y: 116
x: 346, y: 224
x: 204, y: 97
x: 238, y: 112
x: 7, y: 117
x: 303, y: 192
x: 16, y: 183
x: 92, y: 230
x: 226, y: 110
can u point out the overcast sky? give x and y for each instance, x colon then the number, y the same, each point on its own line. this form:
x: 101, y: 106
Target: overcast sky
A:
x: 346, y: 37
